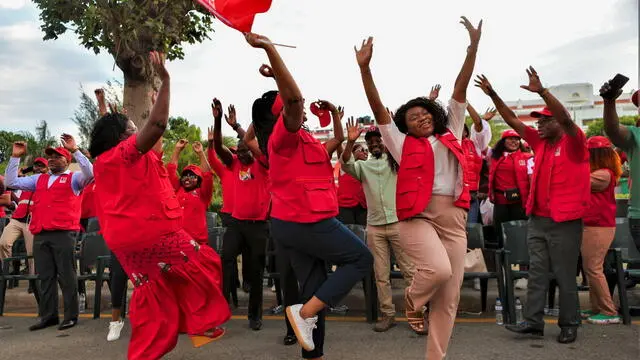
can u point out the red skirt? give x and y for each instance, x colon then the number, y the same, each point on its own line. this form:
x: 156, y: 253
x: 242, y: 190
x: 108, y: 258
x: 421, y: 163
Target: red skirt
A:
x: 178, y: 289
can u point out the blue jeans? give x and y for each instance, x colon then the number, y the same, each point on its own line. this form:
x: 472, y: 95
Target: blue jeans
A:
x: 474, y: 212
x: 309, y: 246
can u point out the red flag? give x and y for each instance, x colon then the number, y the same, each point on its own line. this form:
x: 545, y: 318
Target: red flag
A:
x: 237, y: 14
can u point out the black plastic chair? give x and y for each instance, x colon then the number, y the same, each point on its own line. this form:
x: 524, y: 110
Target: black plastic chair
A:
x: 368, y: 283
x: 475, y: 240
x: 8, y: 277
x: 94, y: 254
x: 624, y: 251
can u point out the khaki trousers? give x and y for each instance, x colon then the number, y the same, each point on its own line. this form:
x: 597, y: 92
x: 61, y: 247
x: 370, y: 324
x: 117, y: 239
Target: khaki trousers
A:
x: 380, y: 240
x: 595, y: 244
x: 12, y: 232
x: 436, y: 242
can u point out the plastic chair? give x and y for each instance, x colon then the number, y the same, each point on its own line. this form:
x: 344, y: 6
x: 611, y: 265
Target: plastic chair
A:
x: 624, y: 251
x: 94, y: 254
x: 475, y: 240
x: 368, y: 283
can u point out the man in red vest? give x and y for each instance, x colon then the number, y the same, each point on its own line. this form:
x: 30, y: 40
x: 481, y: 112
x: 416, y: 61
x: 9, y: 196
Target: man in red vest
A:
x: 18, y: 226
x: 54, y: 223
x: 559, y: 197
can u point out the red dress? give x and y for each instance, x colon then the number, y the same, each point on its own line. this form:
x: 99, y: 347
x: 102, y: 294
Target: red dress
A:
x: 177, y: 281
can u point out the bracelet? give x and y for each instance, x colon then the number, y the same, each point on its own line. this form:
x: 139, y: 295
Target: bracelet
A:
x: 235, y: 127
x: 544, y: 92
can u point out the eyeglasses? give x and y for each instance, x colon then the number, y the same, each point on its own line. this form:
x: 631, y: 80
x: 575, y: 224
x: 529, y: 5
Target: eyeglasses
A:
x: 190, y: 176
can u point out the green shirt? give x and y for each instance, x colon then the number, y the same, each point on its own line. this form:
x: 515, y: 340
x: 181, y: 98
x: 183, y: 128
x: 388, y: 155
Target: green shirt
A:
x: 633, y: 154
x: 379, y: 185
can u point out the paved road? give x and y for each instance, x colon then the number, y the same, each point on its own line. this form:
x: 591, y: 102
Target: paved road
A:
x: 346, y: 340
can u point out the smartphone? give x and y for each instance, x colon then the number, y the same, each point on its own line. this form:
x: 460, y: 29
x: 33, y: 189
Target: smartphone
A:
x: 615, y: 84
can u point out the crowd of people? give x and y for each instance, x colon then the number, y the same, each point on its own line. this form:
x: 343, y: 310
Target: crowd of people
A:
x: 416, y: 183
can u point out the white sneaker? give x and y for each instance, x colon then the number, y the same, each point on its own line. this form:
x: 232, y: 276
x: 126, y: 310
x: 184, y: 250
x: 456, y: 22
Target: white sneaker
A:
x: 521, y: 284
x: 303, y: 328
x: 115, y: 327
x: 476, y: 284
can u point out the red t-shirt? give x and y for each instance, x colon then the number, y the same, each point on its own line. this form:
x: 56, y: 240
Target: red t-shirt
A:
x: 251, y: 185
x: 226, y: 181
x: 505, y: 179
x: 88, y: 206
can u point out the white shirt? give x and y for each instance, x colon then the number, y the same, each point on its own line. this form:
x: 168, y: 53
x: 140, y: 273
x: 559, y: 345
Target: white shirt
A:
x: 447, y: 172
x: 481, y: 139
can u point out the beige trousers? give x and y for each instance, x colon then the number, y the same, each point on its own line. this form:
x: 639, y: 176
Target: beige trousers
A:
x: 436, y: 242
x: 380, y: 239
x: 12, y: 232
x: 595, y: 244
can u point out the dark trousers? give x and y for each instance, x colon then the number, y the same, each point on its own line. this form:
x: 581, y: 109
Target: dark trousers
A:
x: 53, y: 252
x: 553, y: 248
x: 289, y: 284
x: 504, y: 213
x: 118, y: 283
x: 228, y: 224
x: 353, y: 215
x: 634, y: 228
x: 309, y: 246
x: 254, y: 236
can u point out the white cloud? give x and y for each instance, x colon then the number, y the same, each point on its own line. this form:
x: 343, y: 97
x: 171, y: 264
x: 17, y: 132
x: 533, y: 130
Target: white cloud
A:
x: 13, y: 4
x: 23, y: 31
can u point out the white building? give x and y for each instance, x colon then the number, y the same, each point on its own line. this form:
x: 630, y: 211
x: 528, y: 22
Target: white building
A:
x: 580, y: 101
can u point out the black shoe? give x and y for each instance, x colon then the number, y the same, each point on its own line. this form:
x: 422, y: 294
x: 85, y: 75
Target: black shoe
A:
x: 255, y: 325
x: 290, y: 340
x: 246, y: 287
x: 68, y: 324
x: 525, y: 329
x: 44, y: 324
x: 567, y: 335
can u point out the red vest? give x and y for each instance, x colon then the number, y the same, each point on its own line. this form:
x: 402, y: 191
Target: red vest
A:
x: 602, y: 206
x: 303, y: 189
x: 251, y: 186
x: 416, y: 175
x: 569, y: 183
x: 25, y: 205
x: 137, y: 202
x: 55, y: 207
x: 474, y: 164
x: 350, y: 192
x: 522, y: 178
x: 88, y: 202
x: 195, y: 221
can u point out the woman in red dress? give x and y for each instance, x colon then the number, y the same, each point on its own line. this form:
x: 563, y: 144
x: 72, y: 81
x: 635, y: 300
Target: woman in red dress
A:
x: 177, y: 281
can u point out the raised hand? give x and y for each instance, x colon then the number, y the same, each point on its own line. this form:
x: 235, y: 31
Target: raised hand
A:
x: 435, y: 92
x: 474, y: 33
x: 266, y: 71
x: 340, y: 112
x: 68, y: 142
x: 363, y: 56
x: 258, y: 41
x: 210, y: 133
x: 606, y: 87
x: 216, y: 109
x: 157, y: 60
x: 197, y: 147
x: 489, y: 114
x: 19, y: 149
x: 180, y: 145
x: 99, y: 95
x: 326, y: 105
x: 483, y: 83
x: 390, y: 113
x: 535, y: 85
x: 231, y: 118
x: 353, y: 130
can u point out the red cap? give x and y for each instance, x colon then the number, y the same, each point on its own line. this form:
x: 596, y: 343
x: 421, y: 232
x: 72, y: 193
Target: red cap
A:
x: 277, y: 106
x: 194, y: 169
x: 634, y: 98
x: 545, y: 112
x: 509, y: 133
x: 322, y: 114
x: 41, y: 160
x: 60, y: 151
x: 596, y: 142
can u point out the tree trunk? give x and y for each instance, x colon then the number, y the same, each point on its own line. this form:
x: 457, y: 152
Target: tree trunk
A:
x: 137, y: 99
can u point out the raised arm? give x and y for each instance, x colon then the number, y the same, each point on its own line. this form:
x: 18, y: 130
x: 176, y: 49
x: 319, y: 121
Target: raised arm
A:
x: 198, y: 149
x: 225, y: 155
x: 435, y: 92
x: 214, y: 162
x: 232, y: 120
x: 175, y: 156
x: 102, y: 105
x: 507, y: 114
x: 620, y: 136
x: 289, y: 91
x: 251, y: 141
x: 153, y: 130
x: 462, y: 81
x: 338, y: 135
x: 363, y: 56
x: 83, y: 178
x: 555, y: 106
x: 11, y: 179
x: 475, y: 117
x: 353, y: 133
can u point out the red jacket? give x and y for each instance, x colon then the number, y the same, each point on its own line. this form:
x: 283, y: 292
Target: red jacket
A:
x: 303, y: 189
x: 251, y: 184
x: 194, y: 203
x: 522, y: 178
x: 88, y: 202
x: 602, y: 206
x: 474, y: 164
x: 350, y: 192
x: 416, y: 175
x: 568, y: 183
x: 25, y: 205
x: 56, y: 207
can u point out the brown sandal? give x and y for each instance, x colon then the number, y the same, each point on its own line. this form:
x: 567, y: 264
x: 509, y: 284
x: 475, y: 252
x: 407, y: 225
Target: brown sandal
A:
x: 416, y: 319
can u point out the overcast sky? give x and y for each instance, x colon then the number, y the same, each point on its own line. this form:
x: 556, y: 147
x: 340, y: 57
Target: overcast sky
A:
x: 417, y: 43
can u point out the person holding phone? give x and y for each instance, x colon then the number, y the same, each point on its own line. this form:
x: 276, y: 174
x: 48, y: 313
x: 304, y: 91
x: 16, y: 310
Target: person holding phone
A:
x: 557, y: 201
